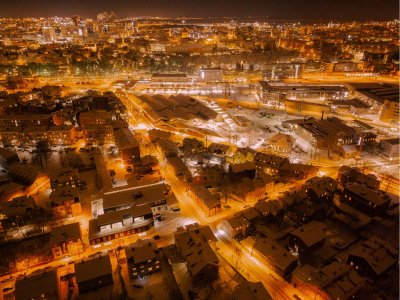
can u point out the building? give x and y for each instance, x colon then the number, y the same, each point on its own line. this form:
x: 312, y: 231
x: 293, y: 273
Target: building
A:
x: 208, y: 202
x: 276, y: 93
x: 236, y: 226
x: 180, y: 168
x: 98, y: 135
x: 93, y: 273
x: 66, y: 240
x: 143, y: 258
x: 251, y: 290
x: 308, y: 237
x: 321, y: 189
x: 307, y: 108
x: 211, y: 75
x: 373, y: 257
x: 390, y: 148
x: 161, y: 108
x: 95, y: 117
x: 120, y: 223
x: 7, y: 158
x: 281, y: 143
x: 270, y: 163
x: 19, y: 206
x: 37, y: 286
x: 127, y: 144
x: 240, y: 170
x: 327, y: 133
x: 348, y: 174
x: 193, y: 244
x: 64, y: 178
x: 281, y: 71
x: 154, y: 194
x: 368, y: 200
x: 336, y: 281
x: 278, y: 258
x: 382, y: 98
x: 25, y: 120
x: 271, y: 210
x: 65, y: 202
x: 169, y: 78
x: 54, y: 135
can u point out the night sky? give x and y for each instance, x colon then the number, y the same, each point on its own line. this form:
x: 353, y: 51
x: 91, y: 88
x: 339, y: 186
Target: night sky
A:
x: 273, y: 9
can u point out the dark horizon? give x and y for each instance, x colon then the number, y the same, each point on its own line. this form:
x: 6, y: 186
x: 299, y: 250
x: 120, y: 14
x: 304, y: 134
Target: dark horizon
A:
x: 285, y: 10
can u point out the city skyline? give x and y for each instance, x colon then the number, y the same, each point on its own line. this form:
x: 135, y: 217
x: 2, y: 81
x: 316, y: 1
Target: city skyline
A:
x: 308, y: 10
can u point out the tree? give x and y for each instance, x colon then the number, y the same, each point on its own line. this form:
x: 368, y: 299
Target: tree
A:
x: 42, y: 152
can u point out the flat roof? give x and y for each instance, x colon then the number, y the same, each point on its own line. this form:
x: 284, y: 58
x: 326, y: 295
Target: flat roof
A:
x: 117, y: 216
x: 65, y: 233
x: 17, y: 206
x: 125, y: 195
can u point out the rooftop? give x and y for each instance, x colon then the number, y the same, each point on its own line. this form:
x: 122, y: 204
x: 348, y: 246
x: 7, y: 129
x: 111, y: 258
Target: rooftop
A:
x: 36, y: 284
x: 209, y: 199
x: 338, y: 280
x: 379, y: 254
x: 133, y: 195
x: 310, y: 233
x: 92, y: 268
x: 193, y: 245
x: 141, y: 251
x: 65, y: 233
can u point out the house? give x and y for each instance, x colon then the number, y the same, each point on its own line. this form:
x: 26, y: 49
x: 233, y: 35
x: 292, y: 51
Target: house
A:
x: 193, y: 244
x: 65, y: 201
x: 373, y: 257
x: 66, y: 240
x: 308, y: 237
x: 250, y: 190
x: 348, y: 174
x: 390, y: 148
x: 143, y: 258
x: 37, y: 286
x: 208, y: 202
x: 19, y: 206
x: 93, y: 273
x: 119, y: 223
x: 281, y: 142
x: 241, y: 170
x: 370, y: 201
x: 127, y: 144
x: 278, y: 258
x: 181, y: 170
x: 154, y: 194
x: 235, y: 226
x: 251, y: 290
x: 270, y: 210
x: 320, y: 189
x: 336, y: 281
x: 67, y: 177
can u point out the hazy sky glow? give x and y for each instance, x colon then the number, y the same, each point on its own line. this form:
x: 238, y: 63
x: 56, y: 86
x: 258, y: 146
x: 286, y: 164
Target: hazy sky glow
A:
x: 274, y: 9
